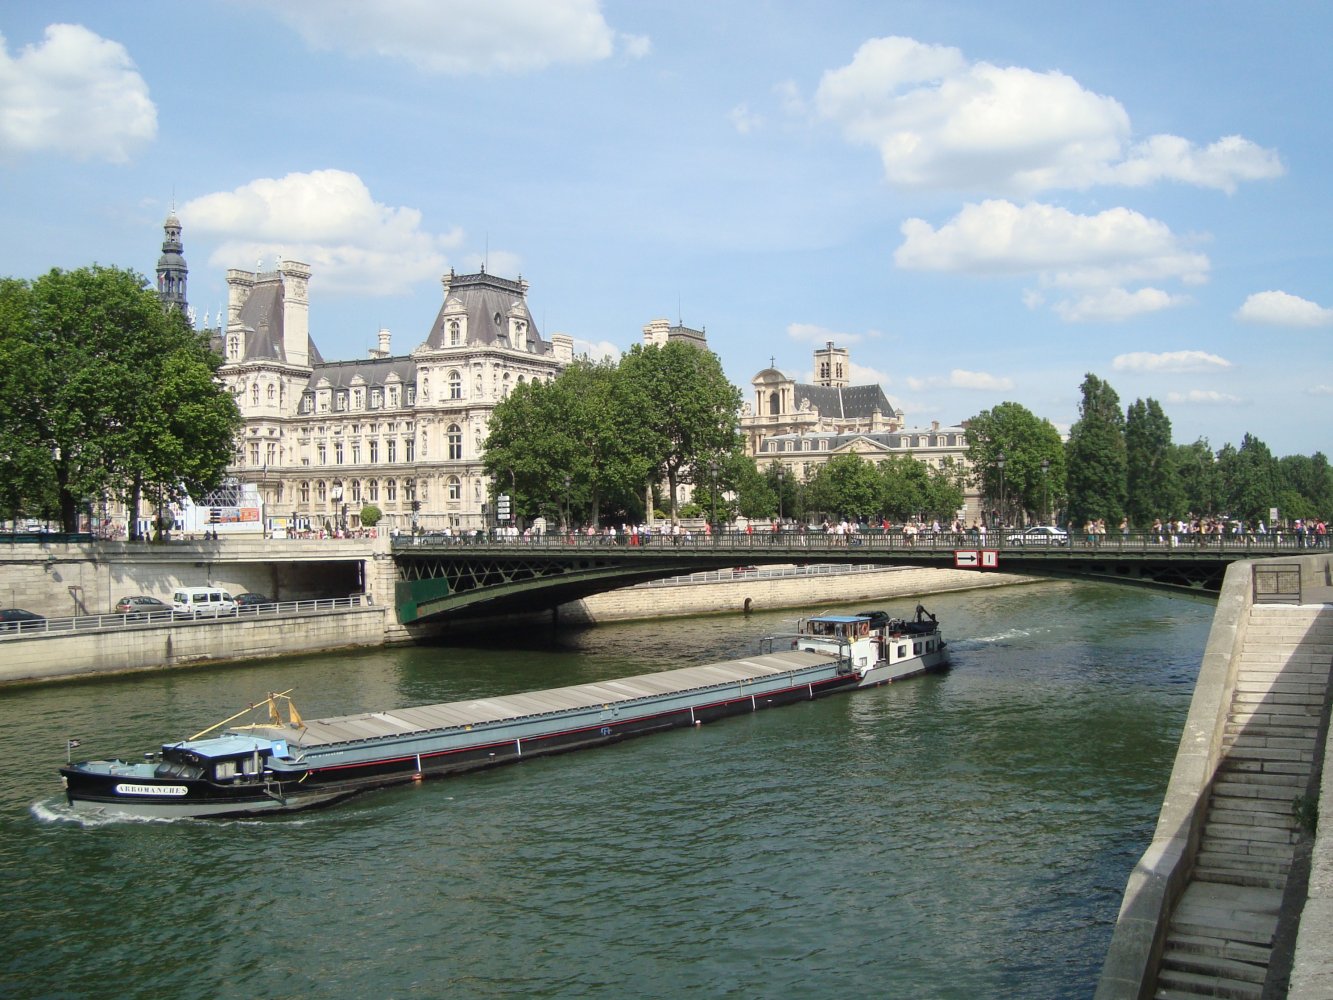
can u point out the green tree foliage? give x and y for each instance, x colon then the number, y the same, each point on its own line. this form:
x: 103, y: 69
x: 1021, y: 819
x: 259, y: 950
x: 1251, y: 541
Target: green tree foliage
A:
x: 1308, y: 483
x: 105, y: 394
x: 1198, y: 476
x: 1154, y: 488
x: 1095, y: 457
x: 370, y: 515
x: 845, y: 486
x: 687, y: 409
x: 1026, y: 441
x: 1250, y: 481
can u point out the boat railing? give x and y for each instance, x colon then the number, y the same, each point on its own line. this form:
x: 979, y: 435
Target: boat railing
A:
x: 791, y: 640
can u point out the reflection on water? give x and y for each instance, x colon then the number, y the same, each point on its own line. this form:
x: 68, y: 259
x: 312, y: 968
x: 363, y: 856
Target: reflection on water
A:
x: 961, y: 835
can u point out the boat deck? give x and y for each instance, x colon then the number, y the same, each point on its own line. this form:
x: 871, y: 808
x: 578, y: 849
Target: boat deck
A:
x: 463, y: 714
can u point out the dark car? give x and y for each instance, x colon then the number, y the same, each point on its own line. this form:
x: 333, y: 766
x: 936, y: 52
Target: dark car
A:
x: 250, y: 602
x: 141, y: 607
x: 16, y: 619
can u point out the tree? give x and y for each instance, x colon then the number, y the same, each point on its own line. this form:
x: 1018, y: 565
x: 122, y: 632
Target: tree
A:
x: 1153, y: 489
x: 1197, y: 473
x: 1095, y: 456
x: 370, y: 515
x: 1026, y: 441
x: 686, y: 408
x: 106, y: 394
x: 845, y: 486
x: 1249, y: 478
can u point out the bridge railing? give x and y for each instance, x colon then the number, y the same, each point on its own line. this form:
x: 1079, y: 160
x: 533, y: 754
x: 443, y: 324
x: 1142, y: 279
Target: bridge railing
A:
x: 138, y: 619
x: 876, y: 539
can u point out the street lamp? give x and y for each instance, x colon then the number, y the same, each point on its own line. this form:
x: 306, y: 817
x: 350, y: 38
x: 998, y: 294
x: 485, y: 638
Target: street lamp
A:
x: 712, y: 472
x: 780, y: 475
x: 566, y: 498
x: 999, y: 463
x: 1045, y: 492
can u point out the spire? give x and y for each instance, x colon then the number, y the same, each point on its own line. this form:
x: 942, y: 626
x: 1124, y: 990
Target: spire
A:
x: 171, y: 269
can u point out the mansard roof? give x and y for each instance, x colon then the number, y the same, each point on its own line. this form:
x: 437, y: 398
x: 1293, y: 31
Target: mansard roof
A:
x: 487, y: 301
x: 372, y: 372
x: 261, y: 318
x: 829, y: 442
x: 843, y: 402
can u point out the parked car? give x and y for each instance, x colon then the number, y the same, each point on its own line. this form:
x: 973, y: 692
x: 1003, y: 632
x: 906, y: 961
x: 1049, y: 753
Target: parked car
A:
x: 1041, y: 534
x: 200, y: 601
x: 249, y: 602
x: 16, y: 619
x: 142, y: 606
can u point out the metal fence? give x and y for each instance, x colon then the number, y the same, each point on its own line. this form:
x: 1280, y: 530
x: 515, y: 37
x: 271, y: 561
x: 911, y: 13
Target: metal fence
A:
x: 162, y: 619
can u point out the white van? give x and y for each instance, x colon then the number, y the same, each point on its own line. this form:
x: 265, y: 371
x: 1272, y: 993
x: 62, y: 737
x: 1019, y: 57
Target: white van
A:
x: 200, y: 601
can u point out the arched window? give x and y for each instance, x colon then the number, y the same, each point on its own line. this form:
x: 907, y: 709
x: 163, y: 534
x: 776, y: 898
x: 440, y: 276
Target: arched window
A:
x: 504, y: 389
x: 455, y: 488
x: 774, y: 404
x: 356, y: 491
x: 321, y: 491
x: 455, y: 333
x: 391, y: 491
x: 455, y: 385
x: 305, y: 492
x: 455, y: 434
x: 272, y: 393
x: 254, y: 393
x: 374, y: 490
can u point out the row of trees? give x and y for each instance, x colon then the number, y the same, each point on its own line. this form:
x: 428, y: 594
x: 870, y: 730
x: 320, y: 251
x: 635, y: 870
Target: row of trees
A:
x: 103, y: 393
x: 1122, y: 464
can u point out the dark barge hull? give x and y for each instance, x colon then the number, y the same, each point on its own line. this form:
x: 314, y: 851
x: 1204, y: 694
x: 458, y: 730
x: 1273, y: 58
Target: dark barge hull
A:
x: 403, y: 761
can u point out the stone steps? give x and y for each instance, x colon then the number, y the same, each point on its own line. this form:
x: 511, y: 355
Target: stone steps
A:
x: 1220, y: 938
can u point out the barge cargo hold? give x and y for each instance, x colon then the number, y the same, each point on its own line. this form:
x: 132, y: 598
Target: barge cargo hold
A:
x: 280, y: 766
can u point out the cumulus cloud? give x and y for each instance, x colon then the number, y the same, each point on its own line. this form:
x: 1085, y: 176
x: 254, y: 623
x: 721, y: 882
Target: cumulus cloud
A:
x: 1319, y: 390
x: 1204, y: 397
x: 1282, y: 309
x: 960, y: 378
x: 329, y: 220
x: 459, y: 37
x: 1169, y: 361
x: 1096, y: 255
x: 601, y: 350
x: 77, y: 94
x: 940, y: 121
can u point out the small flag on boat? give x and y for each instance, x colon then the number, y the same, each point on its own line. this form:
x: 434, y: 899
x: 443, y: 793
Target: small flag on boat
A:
x: 71, y: 744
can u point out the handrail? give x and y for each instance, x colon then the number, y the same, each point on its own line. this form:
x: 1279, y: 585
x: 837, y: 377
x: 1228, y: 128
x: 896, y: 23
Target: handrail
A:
x: 137, y: 619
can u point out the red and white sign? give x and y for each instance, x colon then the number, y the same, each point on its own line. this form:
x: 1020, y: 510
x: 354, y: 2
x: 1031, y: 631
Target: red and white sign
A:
x: 966, y: 559
x: 990, y: 558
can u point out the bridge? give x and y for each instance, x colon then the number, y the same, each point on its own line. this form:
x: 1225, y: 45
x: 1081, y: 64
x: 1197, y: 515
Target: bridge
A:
x: 440, y: 574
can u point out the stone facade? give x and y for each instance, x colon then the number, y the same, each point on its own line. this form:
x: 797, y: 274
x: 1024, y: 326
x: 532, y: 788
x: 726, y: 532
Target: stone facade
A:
x: 403, y: 432
x: 800, y: 426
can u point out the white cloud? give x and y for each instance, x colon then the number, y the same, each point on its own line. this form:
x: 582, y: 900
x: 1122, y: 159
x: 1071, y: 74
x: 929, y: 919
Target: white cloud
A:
x: 1205, y: 397
x: 1282, y: 309
x: 329, y: 220
x: 1115, y: 304
x: 939, y: 121
x: 1169, y: 361
x: 812, y: 333
x: 1095, y: 254
x: 601, y: 350
x: 76, y: 93
x: 1319, y: 390
x: 457, y: 37
x: 960, y: 378
x: 743, y: 120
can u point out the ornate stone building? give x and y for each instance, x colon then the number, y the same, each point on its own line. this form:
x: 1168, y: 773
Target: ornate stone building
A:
x: 171, y: 270
x: 403, y: 432
x: 799, y: 426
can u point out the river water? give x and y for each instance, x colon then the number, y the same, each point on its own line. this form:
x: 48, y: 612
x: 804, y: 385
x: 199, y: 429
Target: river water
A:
x: 962, y: 835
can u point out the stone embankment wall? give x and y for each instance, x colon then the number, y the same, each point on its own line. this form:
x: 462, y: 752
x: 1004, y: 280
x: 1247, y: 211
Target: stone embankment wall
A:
x: 767, y: 593
x: 149, y: 647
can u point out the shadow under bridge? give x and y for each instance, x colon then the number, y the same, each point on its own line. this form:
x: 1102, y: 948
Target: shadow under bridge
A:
x: 439, y: 575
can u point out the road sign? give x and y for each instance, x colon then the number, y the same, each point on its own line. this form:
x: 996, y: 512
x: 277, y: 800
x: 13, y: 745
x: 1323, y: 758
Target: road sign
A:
x: 966, y: 559
x: 990, y: 558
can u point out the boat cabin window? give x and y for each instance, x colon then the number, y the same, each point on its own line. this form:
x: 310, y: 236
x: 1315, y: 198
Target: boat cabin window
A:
x: 174, y: 769
x: 225, y: 769
x: 902, y: 650
x: 916, y: 649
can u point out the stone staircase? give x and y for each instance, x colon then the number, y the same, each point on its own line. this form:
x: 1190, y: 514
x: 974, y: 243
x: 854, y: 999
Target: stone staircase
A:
x: 1222, y: 931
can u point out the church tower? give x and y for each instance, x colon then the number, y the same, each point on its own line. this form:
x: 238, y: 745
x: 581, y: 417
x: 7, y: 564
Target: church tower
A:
x: 171, y: 269
x: 832, y: 366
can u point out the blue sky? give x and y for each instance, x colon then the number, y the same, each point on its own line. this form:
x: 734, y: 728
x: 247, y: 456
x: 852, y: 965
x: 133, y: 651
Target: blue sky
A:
x: 982, y: 201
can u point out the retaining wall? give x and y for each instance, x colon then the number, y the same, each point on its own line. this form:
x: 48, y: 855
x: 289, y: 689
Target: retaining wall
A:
x: 149, y: 647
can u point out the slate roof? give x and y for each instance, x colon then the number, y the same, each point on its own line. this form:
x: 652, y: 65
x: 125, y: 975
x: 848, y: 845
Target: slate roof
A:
x: 845, y: 402
x: 487, y: 301
x: 261, y: 316
x: 374, y: 371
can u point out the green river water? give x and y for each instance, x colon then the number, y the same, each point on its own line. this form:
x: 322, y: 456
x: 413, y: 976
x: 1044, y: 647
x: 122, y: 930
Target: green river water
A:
x: 962, y: 835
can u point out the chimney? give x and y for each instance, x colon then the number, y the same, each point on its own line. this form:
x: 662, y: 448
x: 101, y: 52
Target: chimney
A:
x: 383, y: 350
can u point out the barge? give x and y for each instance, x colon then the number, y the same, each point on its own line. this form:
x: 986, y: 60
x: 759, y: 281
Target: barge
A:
x: 278, y: 765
